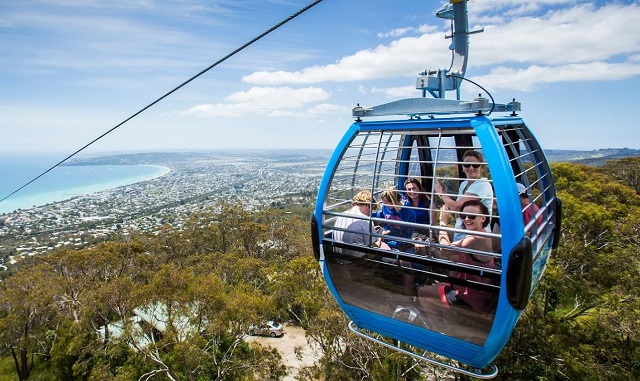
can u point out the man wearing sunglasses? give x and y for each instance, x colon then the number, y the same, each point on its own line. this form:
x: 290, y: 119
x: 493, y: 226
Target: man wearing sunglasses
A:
x: 474, y: 187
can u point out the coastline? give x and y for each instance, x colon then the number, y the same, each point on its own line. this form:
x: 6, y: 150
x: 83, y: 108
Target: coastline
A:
x: 16, y: 203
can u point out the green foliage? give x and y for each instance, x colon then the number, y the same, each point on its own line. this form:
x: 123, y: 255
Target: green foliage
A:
x: 207, y: 283
x: 28, y: 316
x: 626, y: 171
x: 583, y: 318
x: 296, y: 289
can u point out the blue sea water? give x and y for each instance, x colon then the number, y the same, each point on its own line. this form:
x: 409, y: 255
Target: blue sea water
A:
x: 62, y: 182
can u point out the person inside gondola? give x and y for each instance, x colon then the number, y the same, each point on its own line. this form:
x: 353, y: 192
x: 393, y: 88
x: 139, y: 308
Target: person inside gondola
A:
x: 474, y: 187
x: 472, y: 307
x: 356, y: 228
x: 394, y: 210
x: 420, y: 202
x: 529, y: 209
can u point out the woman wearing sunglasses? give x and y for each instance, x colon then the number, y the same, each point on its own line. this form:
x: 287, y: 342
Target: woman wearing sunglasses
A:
x: 438, y: 298
x: 475, y: 218
x: 474, y: 187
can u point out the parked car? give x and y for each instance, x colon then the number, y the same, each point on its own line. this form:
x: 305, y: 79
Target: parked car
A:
x: 271, y: 328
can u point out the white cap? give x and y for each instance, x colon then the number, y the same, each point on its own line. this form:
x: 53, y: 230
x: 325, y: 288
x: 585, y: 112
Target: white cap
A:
x: 521, y: 188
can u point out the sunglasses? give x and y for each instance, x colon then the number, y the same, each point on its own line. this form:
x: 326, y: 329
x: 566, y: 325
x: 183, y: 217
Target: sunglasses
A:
x: 469, y: 216
x: 476, y: 166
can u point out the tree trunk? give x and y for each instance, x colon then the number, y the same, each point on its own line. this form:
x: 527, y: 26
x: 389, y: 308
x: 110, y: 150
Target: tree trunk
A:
x: 24, y: 360
x: 17, y: 364
x: 22, y: 364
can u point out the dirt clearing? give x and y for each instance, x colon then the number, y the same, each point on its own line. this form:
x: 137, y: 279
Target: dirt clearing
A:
x: 286, y: 345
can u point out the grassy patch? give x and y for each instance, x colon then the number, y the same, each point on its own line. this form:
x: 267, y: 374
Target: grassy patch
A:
x: 7, y: 369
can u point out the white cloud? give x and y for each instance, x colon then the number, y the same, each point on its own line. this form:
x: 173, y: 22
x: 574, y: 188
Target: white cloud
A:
x: 285, y: 97
x: 398, y: 32
x: 578, y: 34
x: 426, y: 28
x: 275, y: 101
x: 218, y: 109
x: 530, y: 78
x: 397, y: 92
x: 557, y: 38
x: 403, y: 57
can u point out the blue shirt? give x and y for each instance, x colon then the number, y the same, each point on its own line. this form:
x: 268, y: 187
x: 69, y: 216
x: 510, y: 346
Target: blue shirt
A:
x: 396, y: 230
x: 422, y: 213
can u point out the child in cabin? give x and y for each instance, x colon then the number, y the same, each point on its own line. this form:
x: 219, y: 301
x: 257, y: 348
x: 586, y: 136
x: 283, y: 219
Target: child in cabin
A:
x: 393, y: 210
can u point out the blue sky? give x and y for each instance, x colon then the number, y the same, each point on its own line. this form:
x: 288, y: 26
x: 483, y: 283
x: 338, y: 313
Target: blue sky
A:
x: 72, y: 69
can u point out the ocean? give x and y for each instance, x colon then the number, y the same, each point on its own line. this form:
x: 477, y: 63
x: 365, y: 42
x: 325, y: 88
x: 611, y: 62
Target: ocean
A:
x: 62, y: 182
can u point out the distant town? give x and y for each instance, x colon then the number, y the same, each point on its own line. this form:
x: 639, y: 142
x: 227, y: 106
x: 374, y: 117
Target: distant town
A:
x: 197, y: 182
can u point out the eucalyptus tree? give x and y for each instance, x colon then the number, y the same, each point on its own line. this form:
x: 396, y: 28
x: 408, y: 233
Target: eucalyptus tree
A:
x: 28, y: 316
